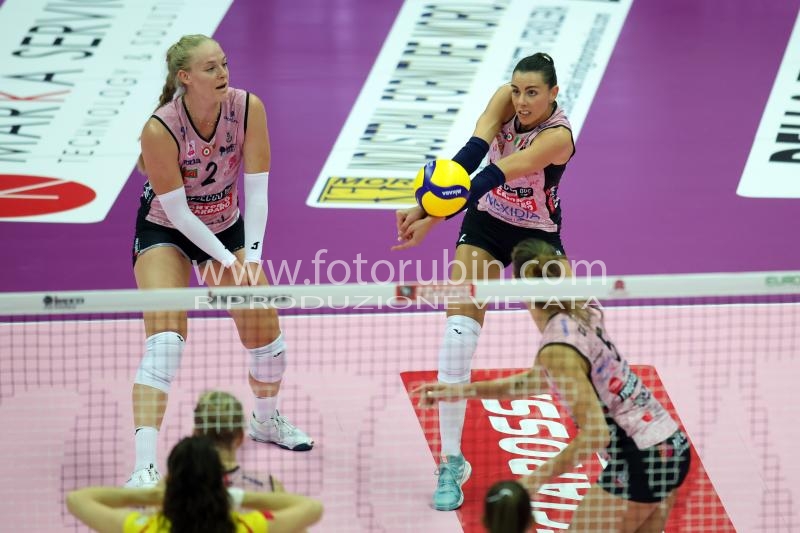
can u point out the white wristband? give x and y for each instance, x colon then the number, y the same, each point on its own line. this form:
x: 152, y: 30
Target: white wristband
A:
x: 256, y: 187
x: 237, y: 496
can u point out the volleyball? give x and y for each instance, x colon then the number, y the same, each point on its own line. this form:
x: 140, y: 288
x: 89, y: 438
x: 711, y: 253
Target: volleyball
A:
x: 441, y: 187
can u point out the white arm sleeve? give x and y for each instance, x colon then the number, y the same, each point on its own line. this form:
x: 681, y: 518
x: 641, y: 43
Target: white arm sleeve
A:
x: 177, y: 209
x: 255, y: 214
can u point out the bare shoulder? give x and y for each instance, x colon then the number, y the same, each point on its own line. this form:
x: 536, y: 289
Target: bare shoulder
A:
x: 255, y: 103
x: 160, y: 155
x: 155, y: 129
x: 558, y: 142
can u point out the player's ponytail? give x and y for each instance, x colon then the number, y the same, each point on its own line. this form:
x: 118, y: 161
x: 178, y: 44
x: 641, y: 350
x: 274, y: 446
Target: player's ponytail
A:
x: 168, y: 91
x: 178, y: 58
x: 179, y: 55
x: 535, y: 259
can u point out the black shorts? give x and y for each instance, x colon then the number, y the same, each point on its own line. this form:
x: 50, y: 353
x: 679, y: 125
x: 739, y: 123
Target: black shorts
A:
x: 499, y: 238
x: 149, y: 235
x: 645, y: 476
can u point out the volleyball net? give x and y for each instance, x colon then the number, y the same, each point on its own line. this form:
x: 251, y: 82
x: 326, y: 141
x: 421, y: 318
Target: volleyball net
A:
x: 719, y: 351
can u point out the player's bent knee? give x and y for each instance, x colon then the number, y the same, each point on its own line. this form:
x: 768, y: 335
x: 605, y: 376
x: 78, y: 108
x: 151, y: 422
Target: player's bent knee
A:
x: 162, y: 358
x: 268, y: 363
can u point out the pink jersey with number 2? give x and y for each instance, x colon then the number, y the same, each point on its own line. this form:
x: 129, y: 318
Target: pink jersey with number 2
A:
x: 210, y: 167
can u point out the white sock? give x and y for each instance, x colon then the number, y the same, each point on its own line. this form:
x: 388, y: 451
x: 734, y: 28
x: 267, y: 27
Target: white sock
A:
x: 146, y: 439
x: 451, y: 425
x: 265, y: 407
x: 455, y: 363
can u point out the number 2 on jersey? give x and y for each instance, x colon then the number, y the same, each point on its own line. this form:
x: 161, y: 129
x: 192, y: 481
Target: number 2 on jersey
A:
x: 212, y: 167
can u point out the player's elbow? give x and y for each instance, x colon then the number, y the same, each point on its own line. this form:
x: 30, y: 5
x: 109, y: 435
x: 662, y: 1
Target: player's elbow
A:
x: 314, y: 513
x: 73, y: 503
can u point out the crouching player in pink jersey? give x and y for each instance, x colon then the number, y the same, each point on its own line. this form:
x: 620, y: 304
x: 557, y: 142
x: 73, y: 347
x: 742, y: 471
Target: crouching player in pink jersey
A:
x: 648, y: 454
x: 193, y: 149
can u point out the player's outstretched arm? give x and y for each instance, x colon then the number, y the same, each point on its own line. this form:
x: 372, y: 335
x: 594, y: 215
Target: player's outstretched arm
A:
x: 498, y: 111
x: 569, y: 372
x: 516, y: 386
x: 552, y: 146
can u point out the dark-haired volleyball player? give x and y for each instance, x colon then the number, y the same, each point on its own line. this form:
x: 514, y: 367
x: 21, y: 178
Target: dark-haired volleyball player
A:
x: 529, y: 141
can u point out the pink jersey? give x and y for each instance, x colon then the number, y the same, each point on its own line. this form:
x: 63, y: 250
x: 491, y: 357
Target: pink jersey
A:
x: 530, y: 201
x: 210, y: 167
x: 627, y: 400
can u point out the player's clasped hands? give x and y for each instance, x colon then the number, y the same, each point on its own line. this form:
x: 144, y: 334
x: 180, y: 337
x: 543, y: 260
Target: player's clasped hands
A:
x: 245, y: 273
x: 413, y: 224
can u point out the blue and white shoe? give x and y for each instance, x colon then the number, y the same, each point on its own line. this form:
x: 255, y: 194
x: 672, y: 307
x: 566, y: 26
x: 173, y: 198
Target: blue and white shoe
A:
x: 453, y: 472
x: 280, y: 431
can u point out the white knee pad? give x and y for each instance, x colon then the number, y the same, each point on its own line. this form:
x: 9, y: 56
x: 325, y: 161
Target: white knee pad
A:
x: 458, y: 347
x: 268, y: 363
x: 162, y: 358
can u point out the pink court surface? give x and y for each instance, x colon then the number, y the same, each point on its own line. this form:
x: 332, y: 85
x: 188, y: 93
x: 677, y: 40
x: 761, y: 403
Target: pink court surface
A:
x: 67, y: 421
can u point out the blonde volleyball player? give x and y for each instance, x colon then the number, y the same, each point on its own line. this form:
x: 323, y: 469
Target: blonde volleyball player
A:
x: 193, y: 148
x: 219, y: 416
x: 648, y: 454
x: 513, y: 198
